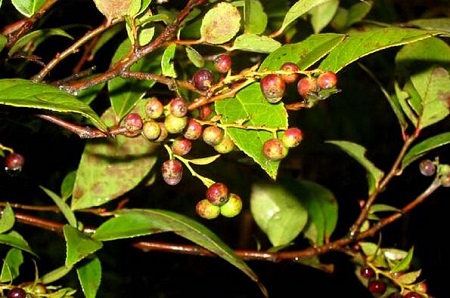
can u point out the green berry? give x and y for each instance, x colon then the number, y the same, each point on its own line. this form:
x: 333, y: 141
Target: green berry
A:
x: 274, y: 150
x: 151, y: 130
x: 175, y: 124
x: 225, y: 146
x: 232, y: 207
x: 212, y: 135
x: 207, y: 210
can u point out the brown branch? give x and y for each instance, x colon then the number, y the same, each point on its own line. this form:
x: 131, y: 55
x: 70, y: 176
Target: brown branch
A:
x: 84, y: 132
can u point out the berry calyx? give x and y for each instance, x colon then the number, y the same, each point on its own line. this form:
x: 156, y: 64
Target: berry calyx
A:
x: 178, y: 107
x: 272, y: 87
x: 274, y: 150
x: 232, y: 207
x: 222, y: 63
x: 306, y: 86
x: 133, y: 122
x: 290, y: 67
x: 17, y: 293
x: 172, y: 171
x: 292, y: 137
x: 217, y: 194
x: 427, y: 167
x: 327, y: 80
x: 154, y: 108
x: 367, y: 272
x: 193, y: 130
x: 377, y: 286
x: 203, y: 79
x: 212, y: 135
x: 175, y: 124
x: 181, y: 146
x: 207, y: 210
x: 14, y: 162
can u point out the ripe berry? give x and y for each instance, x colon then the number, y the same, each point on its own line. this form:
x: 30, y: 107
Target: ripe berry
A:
x: 203, y: 79
x: 151, y: 130
x: 212, y: 135
x: 427, y: 167
x: 181, y: 146
x: 217, y: 194
x: 193, y: 130
x: 133, y: 122
x: 413, y: 295
x: 327, y: 80
x: 274, y: 150
x: 175, y: 124
x: 272, y: 86
x: 154, y: 108
x: 377, y: 286
x: 222, y: 63
x: 306, y: 85
x: 14, y: 162
x: 178, y: 107
x: 395, y: 295
x: 225, y: 146
x: 232, y: 207
x: 17, y: 293
x: 291, y: 67
x: 292, y: 137
x: 367, y: 272
x: 172, y: 171
x: 207, y: 210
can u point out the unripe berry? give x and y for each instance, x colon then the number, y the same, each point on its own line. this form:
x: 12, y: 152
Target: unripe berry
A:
x: 203, y: 79
x: 14, y: 162
x: 367, y: 272
x: 225, y: 146
x: 377, y: 286
x: 327, y: 80
x: 154, y: 108
x: 193, y: 130
x: 232, y: 207
x: 307, y: 85
x: 292, y: 137
x: 212, y: 135
x: 217, y: 194
x: 445, y: 180
x: 181, y: 146
x: 207, y: 210
x: 17, y: 293
x: 175, y: 124
x: 222, y: 63
x: 291, y: 67
x: 172, y: 171
x: 274, y: 150
x: 151, y: 130
x: 272, y: 87
x: 178, y: 107
x: 133, y: 122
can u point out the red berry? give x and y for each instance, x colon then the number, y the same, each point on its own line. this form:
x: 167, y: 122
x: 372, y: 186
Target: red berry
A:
x: 207, y: 210
x: 193, y: 130
x: 291, y: 67
x: 212, y: 135
x: 367, y: 272
x: 273, y: 87
x: 205, y: 112
x: 17, y: 293
x: 395, y: 295
x: 14, y: 162
x: 413, y: 295
x: 172, y: 171
x: 154, y: 108
x: 292, y: 137
x: 222, y: 63
x: 181, y: 146
x: 327, y: 80
x: 377, y: 286
x: 306, y: 85
x: 217, y: 194
x: 274, y: 150
x: 427, y: 167
x: 133, y: 122
x: 178, y: 107
x: 203, y: 79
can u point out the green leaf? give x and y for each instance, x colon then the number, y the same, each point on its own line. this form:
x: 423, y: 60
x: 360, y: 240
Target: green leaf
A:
x: 148, y: 220
x: 304, y: 53
x: 27, y: 7
x: 250, y: 103
x: 255, y: 19
x: 3, y: 40
x: 220, y: 24
x: 111, y: 167
x: 321, y: 15
x: 14, y: 239
x: 67, y: 185
x: 7, y: 219
x: 36, y: 37
x: 27, y: 94
x: 55, y: 274
x: 358, y: 153
x: 375, y: 208
x: 278, y: 212
x: 195, y: 57
x: 441, y: 24
x: 405, y: 262
x: 298, y: 9
x: 255, y: 43
x: 65, y: 209
x: 89, y: 275
x: 11, y: 265
x: 420, y: 149
x: 409, y: 277
x: 78, y: 245
x: 360, y: 44
x: 167, y: 66
x: 358, y: 11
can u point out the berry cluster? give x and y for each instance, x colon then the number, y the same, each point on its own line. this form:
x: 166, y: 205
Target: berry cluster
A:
x: 428, y: 167
x: 276, y: 149
x: 28, y: 289
x: 219, y: 201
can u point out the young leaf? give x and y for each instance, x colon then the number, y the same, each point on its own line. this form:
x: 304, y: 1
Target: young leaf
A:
x: 65, y: 209
x: 255, y: 19
x: 220, y: 24
x: 78, y: 245
x: 255, y: 43
x: 382, y: 208
x: 409, y: 277
x: 36, y: 37
x: 167, y: 66
x: 14, y: 239
x: 67, y: 185
x: 405, y: 262
x: 360, y: 44
x: 55, y: 274
x: 420, y: 149
x: 251, y: 104
x: 11, y: 265
x: 27, y: 94
x: 358, y: 153
x: 441, y: 24
x: 90, y: 274
x: 110, y: 167
x: 7, y: 219
x: 278, y: 212
x: 195, y: 57
x: 27, y: 7
x: 322, y: 14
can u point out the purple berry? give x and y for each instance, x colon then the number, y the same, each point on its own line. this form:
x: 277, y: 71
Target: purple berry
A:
x: 172, y: 171
x: 222, y: 63
x: 377, y: 286
x: 273, y: 87
x: 427, y: 167
x: 178, y: 107
x: 17, y: 293
x: 203, y: 79
x: 217, y: 194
